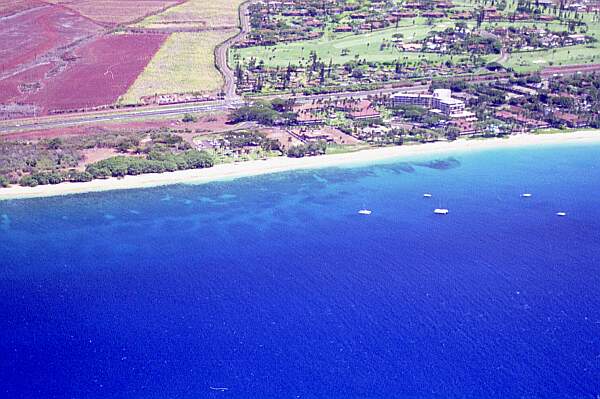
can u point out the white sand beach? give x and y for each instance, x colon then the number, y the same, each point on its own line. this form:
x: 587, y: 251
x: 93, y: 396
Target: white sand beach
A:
x: 282, y: 164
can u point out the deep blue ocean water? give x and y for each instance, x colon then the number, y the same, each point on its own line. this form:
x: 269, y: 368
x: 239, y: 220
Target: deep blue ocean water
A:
x: 274, y: 286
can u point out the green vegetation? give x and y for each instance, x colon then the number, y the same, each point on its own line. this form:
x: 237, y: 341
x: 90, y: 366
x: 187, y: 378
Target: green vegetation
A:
x: 535, y: 60
x: 187, y: 118
x: 155, y: 162
x: 4, y: 182
x: 248, y: 139
x: 342, y: 48
x: 241, y: 145
x: 58, y: 160
x: 263, y: 112
x: 344, y: 149
x: 55, y: 177
x: 380, y: 46
x: 309, y: 149
x: 374, y: 47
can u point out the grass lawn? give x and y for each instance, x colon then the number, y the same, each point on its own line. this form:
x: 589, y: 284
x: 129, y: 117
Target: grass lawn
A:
x: 184, y: 64
x: 367, y: 45
x: 565, y: 131
x: 363, y: 46
x: 346, y: 148
x: 536, y: 60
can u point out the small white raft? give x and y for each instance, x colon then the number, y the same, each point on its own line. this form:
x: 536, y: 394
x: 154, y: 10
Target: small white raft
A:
x: 441, y: 211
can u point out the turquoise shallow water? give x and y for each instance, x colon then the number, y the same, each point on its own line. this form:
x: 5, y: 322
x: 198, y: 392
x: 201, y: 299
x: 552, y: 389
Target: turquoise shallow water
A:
x: 274, y: 286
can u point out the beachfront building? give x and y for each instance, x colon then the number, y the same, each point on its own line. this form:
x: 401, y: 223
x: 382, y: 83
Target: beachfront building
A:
x: 441, y: 100
x: 423, y: 100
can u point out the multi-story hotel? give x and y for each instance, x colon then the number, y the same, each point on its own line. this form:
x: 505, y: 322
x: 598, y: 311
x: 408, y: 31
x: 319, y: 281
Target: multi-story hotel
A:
x: 441, y: 99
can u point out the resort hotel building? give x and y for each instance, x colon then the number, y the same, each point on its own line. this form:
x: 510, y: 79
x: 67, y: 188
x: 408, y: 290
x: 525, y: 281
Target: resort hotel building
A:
x: 440, y: 101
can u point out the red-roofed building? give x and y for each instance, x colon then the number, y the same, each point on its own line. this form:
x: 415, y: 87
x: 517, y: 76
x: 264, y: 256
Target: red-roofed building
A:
x: 520, y: 119
x: 364, y: 114
x: 570, y: 120
x: 343, y: 28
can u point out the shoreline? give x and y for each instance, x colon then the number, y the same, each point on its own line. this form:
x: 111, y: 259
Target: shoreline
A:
x: 284, y: 164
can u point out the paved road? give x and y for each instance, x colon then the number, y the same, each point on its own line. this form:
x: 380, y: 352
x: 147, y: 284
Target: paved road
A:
x: 222, y: 52
x: 231, y: 99
x: 84, y: 119
x: 12, y: 126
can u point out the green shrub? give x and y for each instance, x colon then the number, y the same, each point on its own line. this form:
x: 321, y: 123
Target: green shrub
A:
x: 156, y: 162
x: 28, y: 181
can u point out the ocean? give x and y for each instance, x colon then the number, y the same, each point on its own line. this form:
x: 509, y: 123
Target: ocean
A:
x: 275, y: 287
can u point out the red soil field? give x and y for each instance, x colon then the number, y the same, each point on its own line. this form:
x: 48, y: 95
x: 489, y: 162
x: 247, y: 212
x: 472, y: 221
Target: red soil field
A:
x: 112, y: 12
x: 10, y: 7
x: 208, y: 125
x: 10, y: 87
x: 33, y: 34
x: 53, y: 57
x: 104, y: 71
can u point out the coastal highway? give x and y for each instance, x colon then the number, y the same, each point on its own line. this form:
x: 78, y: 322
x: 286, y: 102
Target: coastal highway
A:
x: 68, y: 120
x: 231, y: 99
x: 57, y: 121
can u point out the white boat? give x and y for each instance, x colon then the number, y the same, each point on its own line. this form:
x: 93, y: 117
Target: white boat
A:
x: 441, y: 211
x: 561, y: 213
x: 365, y: 212
x: 526, y: 195
x: 427, y: 195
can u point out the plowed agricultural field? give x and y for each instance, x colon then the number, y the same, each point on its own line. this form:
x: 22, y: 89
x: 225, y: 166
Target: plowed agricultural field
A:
x: 207, y: 14
x: 103, y: 72
x: 16, y: 87
x: 30, y: 35
x: 112, y: 12
x: 10, y: 7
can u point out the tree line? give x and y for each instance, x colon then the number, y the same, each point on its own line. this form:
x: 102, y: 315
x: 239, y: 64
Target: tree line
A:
x: 120, y: 166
